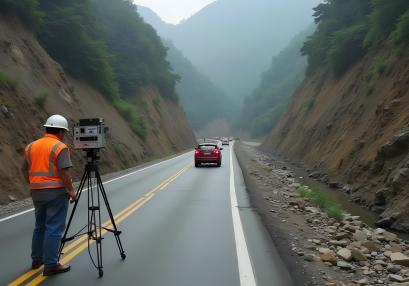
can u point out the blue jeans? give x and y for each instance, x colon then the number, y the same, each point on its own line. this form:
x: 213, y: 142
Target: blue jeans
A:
x: 49, y: 227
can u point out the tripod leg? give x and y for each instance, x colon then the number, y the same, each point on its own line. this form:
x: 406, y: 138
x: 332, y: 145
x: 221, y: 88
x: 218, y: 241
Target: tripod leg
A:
x: 116, y: 231
x: 79, y: 192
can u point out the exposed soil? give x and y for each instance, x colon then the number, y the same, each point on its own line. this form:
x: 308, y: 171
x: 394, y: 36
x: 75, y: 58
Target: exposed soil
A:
x: 32, y: 74
x: 355, y: 130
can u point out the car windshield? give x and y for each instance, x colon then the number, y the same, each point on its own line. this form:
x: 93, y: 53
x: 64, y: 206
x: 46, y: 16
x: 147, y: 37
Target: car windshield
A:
x: 207, y: 147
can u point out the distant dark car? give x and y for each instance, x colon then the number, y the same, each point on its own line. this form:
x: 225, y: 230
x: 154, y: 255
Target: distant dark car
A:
x: 208, y: 153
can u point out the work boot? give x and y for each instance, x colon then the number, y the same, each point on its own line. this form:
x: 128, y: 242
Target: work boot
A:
x: 36, y: 264
x: 56, y: 269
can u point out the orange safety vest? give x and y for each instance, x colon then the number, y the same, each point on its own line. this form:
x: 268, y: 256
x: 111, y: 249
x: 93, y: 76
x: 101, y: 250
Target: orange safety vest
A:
x: 41, y: 156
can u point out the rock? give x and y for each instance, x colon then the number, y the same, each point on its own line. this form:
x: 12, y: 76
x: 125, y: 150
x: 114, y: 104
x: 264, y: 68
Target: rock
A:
x: 396, y: 248
x: 395, y: 147
x: 12, y: 198
x: 385, y: 221
x: 345, y: 254
x: 378, y: 268
x: 397, y: 278
x: 342, y: 243
x: 358, y: 255
x: 311, y: 257
x: 387, y: 253
x: 335, y: 185
x: 389, y: 236
x: 391, y: 268
x: 299, y: 202
x: 371, y: 246
x: 344, y: 265
x: 379, y: 231
x: 5, y: 111
x: 329, y: 256
x: 342, y: 235
x: 400, y: 259
x: 380, y: 199
x: 363, y: 281
x: 322, y: 250
x: 360, y: 235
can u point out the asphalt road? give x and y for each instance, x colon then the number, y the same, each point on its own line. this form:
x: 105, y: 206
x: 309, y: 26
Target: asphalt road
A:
x: 181, y: 226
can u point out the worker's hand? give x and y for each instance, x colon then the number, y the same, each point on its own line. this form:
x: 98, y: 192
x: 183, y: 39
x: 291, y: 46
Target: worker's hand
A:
x: 72, y: 195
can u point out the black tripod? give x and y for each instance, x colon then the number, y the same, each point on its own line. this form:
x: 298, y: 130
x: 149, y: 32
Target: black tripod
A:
x: 94, y: 227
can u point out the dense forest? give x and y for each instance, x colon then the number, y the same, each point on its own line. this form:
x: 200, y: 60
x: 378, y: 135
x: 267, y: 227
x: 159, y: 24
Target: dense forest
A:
x: 349, y: 29
x: 105, y: 43
x: 202, y: 101
x: 263, y: 108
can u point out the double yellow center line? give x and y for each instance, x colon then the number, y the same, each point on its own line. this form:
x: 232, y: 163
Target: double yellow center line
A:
x: 80, y: 244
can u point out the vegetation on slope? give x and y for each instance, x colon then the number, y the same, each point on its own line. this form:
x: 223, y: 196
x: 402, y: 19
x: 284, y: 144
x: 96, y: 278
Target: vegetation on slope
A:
x: 105, y: 43
x: 348, y: 29
x: 263, y: 108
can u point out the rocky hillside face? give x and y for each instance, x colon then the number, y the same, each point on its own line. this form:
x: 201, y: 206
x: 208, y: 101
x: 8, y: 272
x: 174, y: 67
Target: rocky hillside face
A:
x: 353, y: 133
x: 34, y: 86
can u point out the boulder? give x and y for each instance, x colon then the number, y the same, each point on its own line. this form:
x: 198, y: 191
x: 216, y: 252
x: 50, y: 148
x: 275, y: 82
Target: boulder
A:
x: 396, y: 248
x: 344, y: 265
x: 400, y: 259
x: 342, y: 235
x: 360, y: 235
x: 391, y: 268
x: 329, y: 256
x: 389, y: 236
x: 385, y: 221
x: 371, y: 246
x: 358, y: 255
x: 345, y: 254
x: 378, y: 268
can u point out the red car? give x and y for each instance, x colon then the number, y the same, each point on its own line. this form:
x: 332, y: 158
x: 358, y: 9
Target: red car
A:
x: 208, y: 153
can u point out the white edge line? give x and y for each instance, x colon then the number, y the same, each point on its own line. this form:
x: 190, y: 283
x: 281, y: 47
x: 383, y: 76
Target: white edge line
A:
x: 107, y: 182
x: 246, y: 271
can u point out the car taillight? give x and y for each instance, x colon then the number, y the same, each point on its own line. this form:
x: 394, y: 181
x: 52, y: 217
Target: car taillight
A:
x: 215, y: 151
x: 197, y: 152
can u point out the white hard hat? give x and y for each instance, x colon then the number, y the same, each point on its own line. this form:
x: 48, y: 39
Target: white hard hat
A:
x: 57, y: 121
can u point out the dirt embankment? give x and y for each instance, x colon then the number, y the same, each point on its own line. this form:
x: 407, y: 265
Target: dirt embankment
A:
x: 33, y: 86
x: 354, y: 130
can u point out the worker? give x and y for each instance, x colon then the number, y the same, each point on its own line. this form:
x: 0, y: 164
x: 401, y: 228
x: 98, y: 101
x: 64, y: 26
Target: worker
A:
x: 46, y: 169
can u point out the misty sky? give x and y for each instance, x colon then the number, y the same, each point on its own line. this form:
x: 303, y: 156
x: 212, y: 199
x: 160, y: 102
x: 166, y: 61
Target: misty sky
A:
x: 174, y: 11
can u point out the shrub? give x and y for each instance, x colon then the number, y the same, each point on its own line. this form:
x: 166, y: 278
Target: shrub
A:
x: 303, y: 191
x: 40, y: 100
x: 334, y: 211
x: 401, y: 34
x: 346, y: 48
x: 27, y: 10
x: 6, y: 81
x: 136, y: 122
x: 308, y: 104
x: 319, y: 198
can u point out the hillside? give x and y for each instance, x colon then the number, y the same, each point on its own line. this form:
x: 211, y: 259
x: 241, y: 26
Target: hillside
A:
x: 263, y: 107
x: 33, y: 86
x: 232, y: 41
x: 350, y: 118
x: 202, y: 101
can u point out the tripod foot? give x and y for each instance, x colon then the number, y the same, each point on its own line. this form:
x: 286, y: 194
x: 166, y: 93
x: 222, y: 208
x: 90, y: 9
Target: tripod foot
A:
x: 100, y: 272
x: 123, y: 255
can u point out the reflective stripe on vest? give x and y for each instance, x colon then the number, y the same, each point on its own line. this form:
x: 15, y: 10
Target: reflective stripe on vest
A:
x: 50, y: 172
x: 41, y: 156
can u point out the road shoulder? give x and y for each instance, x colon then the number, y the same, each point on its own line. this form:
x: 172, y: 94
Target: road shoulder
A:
x: 285, y: 228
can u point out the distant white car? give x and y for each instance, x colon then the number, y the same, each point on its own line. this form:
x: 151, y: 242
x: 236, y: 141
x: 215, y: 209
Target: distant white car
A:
x: 225, y: 141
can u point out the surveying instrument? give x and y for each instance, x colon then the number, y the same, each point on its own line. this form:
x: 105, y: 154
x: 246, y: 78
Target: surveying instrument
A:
x: 89, y: 136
